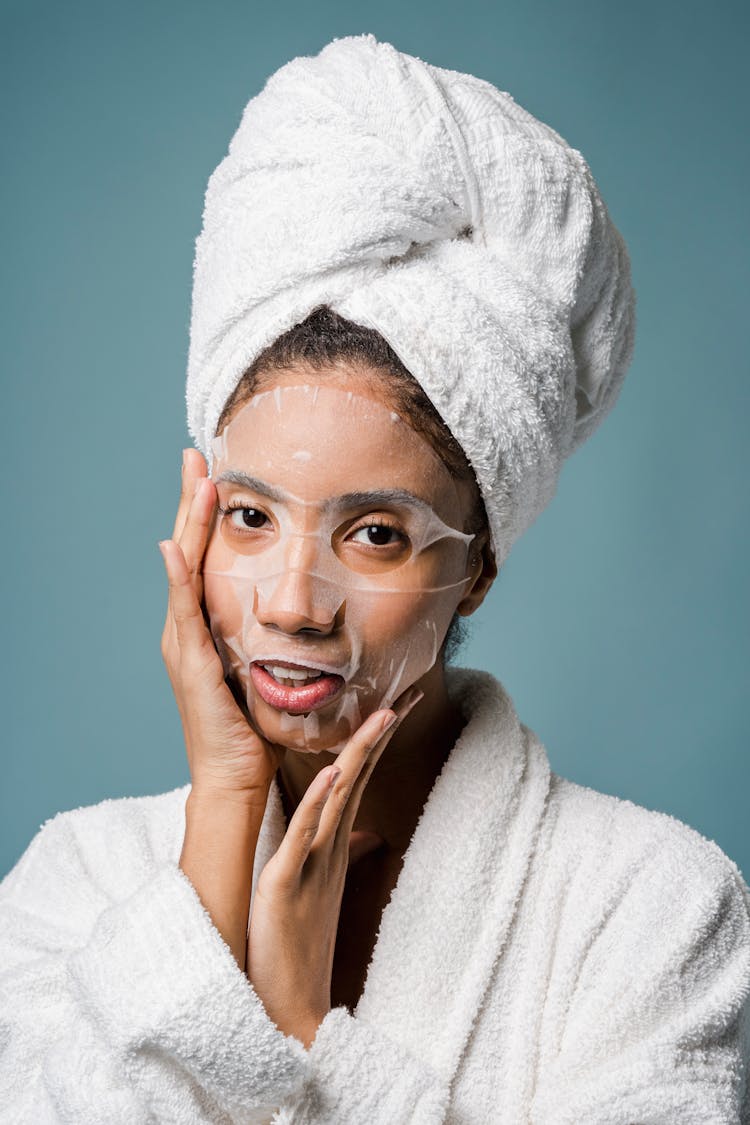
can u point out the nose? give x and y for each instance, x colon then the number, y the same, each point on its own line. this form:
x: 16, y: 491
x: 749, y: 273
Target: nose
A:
x: 297, y: 599
x: 293, y: 602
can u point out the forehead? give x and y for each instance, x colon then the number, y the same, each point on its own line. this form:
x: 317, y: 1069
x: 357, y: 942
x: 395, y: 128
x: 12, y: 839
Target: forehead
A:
x: 317, y: 440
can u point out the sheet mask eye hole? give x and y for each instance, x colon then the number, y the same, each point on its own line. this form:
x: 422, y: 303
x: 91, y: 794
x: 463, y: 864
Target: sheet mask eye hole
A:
x: 466, y: 232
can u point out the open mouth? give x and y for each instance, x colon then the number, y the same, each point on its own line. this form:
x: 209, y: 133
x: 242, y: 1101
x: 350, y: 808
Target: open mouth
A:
x: 292, y: 677
x: 294, y: 688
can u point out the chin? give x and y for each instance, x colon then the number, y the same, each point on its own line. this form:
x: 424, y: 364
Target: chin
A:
x: 326, y: 730
x: 317, y: 737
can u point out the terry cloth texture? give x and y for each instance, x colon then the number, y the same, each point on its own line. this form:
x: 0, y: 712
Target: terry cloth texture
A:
x: 550, y: 955
x: 429, y: 205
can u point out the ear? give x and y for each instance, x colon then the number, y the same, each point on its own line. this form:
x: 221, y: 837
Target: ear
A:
x: 483, y: 570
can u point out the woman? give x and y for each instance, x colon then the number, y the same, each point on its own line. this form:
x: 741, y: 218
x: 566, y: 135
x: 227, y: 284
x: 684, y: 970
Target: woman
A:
x: 374, y: 902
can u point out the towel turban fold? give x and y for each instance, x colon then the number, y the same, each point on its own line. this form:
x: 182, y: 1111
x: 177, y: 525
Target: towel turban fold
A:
x: 426, y: 204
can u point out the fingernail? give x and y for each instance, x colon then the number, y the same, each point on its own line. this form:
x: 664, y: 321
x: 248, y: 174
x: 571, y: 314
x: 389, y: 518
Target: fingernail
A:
x: 388, y: 722
x: 335, y: 773
x: 161, y: 547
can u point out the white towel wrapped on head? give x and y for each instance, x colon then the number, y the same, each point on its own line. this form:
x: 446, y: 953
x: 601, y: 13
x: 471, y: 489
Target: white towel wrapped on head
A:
x: 429, y: 205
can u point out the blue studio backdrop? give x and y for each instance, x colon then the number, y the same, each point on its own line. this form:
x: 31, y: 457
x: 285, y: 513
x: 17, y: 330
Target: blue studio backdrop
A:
x: 619, y: 624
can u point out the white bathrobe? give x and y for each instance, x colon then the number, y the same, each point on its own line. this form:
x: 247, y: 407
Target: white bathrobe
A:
x: 550, y: 955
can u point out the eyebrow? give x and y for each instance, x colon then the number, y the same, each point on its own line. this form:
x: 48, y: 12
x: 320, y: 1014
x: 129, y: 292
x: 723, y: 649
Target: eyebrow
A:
x: 233, y: 476
x: 346, y: 500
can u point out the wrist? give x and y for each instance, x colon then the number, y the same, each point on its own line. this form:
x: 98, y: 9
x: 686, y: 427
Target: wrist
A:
x: 214, y: 797
x: 218, y: 856
x: 305, y: 1029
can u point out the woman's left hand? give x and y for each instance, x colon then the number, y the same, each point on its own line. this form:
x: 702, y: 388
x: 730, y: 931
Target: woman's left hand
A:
x: 295, y: 912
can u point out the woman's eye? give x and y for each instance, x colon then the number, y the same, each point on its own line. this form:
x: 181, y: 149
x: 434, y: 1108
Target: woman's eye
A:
x: 378, y: 535
x: 251, y: 518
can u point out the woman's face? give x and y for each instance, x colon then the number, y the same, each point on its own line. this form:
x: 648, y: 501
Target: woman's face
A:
x: 337, y: 558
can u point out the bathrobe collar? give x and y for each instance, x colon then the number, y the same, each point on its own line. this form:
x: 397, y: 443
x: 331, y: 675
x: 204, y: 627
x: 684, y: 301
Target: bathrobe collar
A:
x: 458, y: 889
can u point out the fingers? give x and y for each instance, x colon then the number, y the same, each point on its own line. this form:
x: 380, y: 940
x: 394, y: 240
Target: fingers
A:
x: 326, y: 812
x: 195, y: 514
x: 193, y: 468
x: 195, y: 530
x: 305, y: 822
x: 357, y: 761
x: 184, y: 608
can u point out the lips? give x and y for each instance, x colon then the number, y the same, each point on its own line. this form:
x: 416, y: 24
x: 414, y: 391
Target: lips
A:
x: 295, y: 700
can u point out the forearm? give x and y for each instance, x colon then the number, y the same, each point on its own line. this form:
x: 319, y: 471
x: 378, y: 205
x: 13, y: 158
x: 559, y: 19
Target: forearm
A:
x: 152, y: 1019
x: 217, y: 856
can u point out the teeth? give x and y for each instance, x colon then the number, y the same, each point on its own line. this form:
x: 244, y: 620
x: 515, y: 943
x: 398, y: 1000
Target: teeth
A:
x: 291, y: 677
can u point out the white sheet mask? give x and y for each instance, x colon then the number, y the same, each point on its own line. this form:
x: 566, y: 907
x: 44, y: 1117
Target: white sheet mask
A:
x: 291, y: 572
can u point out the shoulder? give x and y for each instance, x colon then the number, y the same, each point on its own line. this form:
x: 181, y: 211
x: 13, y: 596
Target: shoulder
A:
x: 596, y: 840
x: 146, y: 826
x: 107, y: 847
x: 618, y: 826
x: 622, y: 858
x: 650, y: 964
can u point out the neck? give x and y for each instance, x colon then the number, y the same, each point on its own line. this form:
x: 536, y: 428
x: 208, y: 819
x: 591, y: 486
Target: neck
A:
x: 405, y: 773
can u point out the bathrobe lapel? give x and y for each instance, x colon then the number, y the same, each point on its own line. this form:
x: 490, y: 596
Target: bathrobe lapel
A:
x: 458, y: 889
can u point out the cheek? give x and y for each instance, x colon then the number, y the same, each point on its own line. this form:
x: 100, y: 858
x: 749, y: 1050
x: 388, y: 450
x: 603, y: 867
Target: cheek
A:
x: 399, y: 636
x: 229, y: 596
x: 217, y: 555
x: 222, y: 598
x: 226, y: 614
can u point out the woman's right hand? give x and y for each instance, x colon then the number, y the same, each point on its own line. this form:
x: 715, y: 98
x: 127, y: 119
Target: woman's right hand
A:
x: 227, y: 758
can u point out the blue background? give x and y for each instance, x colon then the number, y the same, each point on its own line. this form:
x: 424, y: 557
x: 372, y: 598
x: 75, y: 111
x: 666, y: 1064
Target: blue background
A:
x: 620, y: 621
